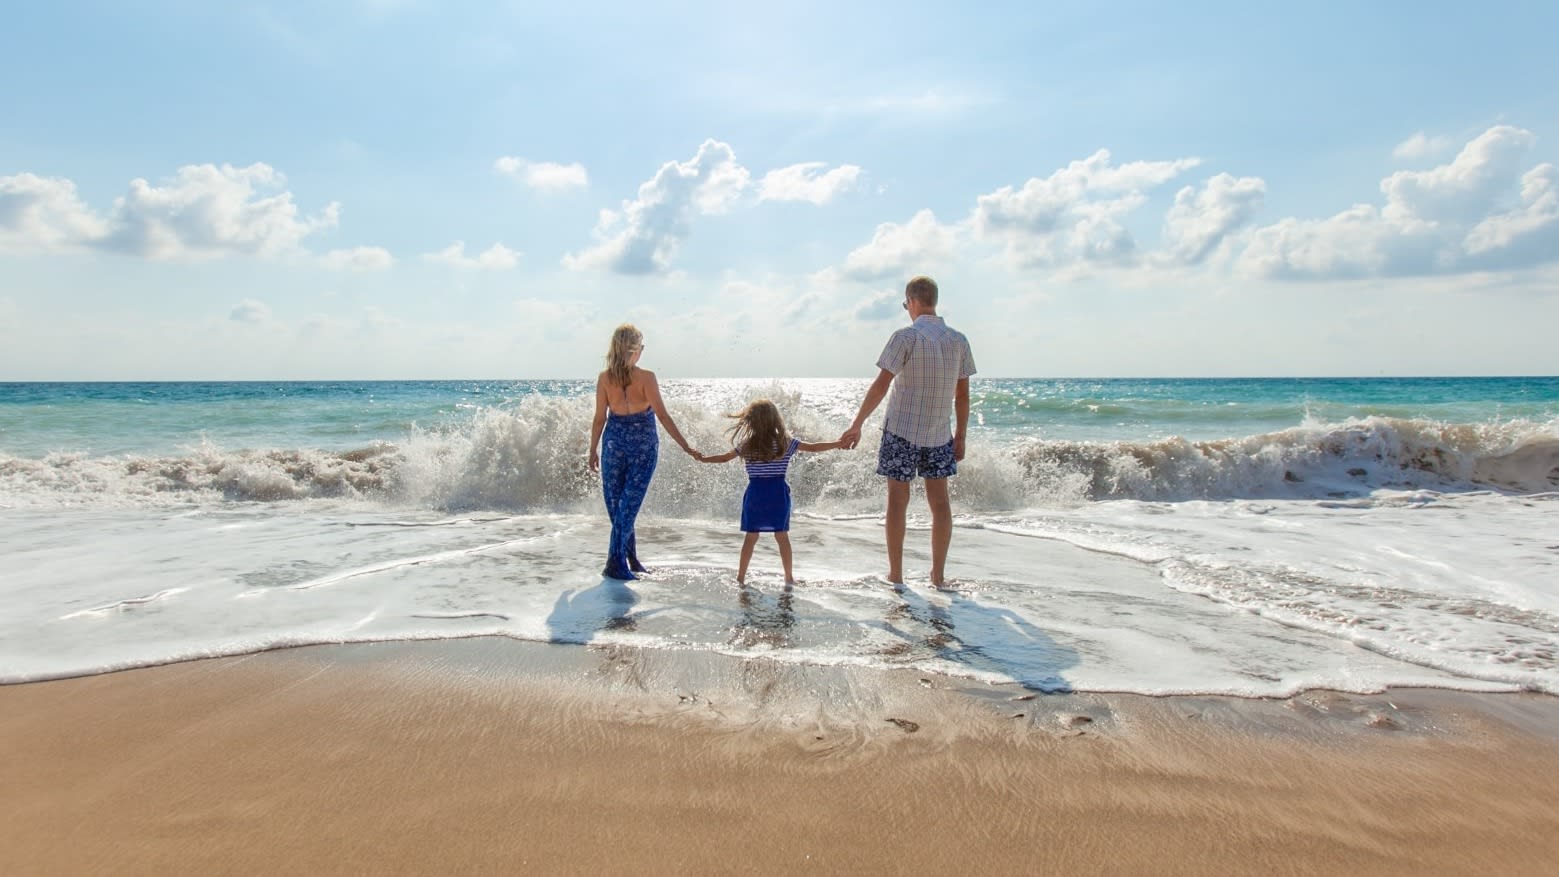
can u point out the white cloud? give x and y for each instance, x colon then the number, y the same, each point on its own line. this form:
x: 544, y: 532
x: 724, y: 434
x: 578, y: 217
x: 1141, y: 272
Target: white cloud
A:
x: 1532, y: 225
x: 250, y: 311
x: 807, y: 182
x: 495, y: 258
x: 645, y: 234
x: 544, y: 175
x: 1075, y: 214
x: 902, y: 249
x: 1200, y: 221
x: 358, y: 259
x: 1447, y: 219
x: 45, y: 213
x: 886, y: 305
x: 1421, y: 146
x: 1466, y: 188
x: 206, y: 211
x: 203, y: 211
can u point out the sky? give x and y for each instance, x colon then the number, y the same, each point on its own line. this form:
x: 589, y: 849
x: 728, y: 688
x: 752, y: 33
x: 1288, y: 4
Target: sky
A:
x: 404, y: 189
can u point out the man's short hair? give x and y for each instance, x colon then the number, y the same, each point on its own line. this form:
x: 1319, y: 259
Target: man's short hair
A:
x: 922, y: 289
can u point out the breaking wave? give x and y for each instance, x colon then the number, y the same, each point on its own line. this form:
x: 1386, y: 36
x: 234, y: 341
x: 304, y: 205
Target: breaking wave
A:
x: 532, y: 456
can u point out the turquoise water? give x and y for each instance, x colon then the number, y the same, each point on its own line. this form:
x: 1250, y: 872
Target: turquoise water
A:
x: 1254, y: 537
x: 162, y: 418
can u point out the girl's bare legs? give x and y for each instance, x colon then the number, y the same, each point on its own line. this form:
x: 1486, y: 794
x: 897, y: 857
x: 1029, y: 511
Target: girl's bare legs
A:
x: 783, y: 541
x: 749, y: 540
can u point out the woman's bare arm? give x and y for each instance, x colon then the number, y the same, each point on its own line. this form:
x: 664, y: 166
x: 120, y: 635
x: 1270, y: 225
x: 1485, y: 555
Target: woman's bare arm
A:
x: 599, y: 422
x: 652, y: 390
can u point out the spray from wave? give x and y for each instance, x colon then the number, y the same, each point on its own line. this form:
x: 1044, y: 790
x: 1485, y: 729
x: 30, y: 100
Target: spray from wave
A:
x: 531, y: 456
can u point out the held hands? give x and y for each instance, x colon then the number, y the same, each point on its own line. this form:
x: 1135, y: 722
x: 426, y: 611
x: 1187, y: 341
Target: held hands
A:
x: 850, y: 438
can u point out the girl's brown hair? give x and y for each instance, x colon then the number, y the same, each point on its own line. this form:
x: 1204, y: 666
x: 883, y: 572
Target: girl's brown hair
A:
x: 624, y: 340
x: 759, y: 433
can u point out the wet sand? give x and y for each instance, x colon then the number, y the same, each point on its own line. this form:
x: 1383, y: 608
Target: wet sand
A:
x: 493, y: 756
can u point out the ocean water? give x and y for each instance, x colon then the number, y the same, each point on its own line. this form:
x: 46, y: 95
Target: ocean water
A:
x: 1252, y: 537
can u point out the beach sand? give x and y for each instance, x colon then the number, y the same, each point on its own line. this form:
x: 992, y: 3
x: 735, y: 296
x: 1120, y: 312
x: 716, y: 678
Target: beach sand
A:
x: 497, y: 756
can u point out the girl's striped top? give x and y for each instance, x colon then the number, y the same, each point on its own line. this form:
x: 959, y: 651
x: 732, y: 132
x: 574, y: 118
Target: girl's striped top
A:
x: 771, y: 468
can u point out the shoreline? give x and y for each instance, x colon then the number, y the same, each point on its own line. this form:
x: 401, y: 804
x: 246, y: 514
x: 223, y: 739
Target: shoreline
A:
x: 495, y: 756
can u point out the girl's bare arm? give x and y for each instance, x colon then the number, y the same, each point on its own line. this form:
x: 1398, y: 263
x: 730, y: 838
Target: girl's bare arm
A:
x: 719, y: 458
x: 819, y: 446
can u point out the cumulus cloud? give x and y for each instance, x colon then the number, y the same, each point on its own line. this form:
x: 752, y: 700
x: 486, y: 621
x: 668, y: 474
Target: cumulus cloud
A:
x: 1075, y: 214
x: 1201, y: 220
x: 886, y: 305
x: 1421, y: 146
x: 807, y: 182
x: 495, y: 258
x: 45, y: 213
x: 1530, y: 226
x: 644, y: 235
x: 1454, y: 217
x: 358, y: 259
x: 203, y: 211
x: 544, y: 175
x: 902, y: 249
x: 250, y: 311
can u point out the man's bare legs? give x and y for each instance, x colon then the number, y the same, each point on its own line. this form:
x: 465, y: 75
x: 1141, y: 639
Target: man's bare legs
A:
x: 749, y: 540
x: 898, y: 507
x: 941, y: 526
x: 783, y: 541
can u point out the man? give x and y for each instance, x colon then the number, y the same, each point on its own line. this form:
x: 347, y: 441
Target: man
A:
x: 928, y: 366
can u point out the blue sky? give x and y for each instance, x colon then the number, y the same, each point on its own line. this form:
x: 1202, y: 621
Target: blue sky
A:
x: 408, y: 189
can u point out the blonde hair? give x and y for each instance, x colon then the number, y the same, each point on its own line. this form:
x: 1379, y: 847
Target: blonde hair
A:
x: 624, y: 340
x: 759, y: 433
x: 922, y: 289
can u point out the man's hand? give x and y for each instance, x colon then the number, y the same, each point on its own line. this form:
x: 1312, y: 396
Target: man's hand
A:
x: 850, y: 438
x: 958, y: 448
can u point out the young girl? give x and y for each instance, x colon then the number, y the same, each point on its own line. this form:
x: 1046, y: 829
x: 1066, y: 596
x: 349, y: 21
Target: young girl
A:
x: 760, y: 439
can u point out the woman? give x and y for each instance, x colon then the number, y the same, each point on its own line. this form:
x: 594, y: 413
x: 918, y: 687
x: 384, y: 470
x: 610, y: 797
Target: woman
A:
x: 626, y: 401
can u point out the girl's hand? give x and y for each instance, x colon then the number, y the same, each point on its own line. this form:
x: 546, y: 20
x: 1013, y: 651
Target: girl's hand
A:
x: 595, y: 461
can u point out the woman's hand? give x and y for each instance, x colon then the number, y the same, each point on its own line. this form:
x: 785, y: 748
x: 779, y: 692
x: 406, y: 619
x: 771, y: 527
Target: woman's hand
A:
x: 595, y: 461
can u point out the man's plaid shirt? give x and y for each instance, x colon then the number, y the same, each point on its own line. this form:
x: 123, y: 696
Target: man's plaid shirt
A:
x: 927, y: 360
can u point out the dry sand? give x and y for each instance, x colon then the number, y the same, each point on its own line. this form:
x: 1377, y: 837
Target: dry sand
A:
x: 501, y: 757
